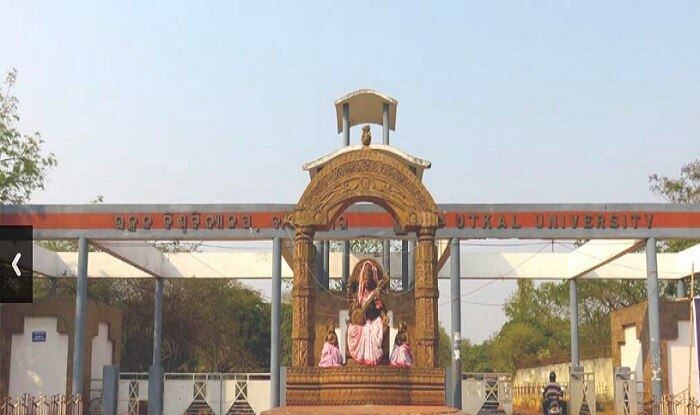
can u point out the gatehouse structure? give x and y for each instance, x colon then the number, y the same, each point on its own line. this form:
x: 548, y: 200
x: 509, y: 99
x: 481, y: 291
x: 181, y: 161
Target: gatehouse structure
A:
x: 372, y: 191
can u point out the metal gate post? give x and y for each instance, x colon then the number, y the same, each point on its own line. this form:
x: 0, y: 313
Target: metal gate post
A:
x: 318, y: 265
x: 653, y: 313
x: 404, y: 265
x: 80, y: 317
x: 455, y: 293
x: 625, y: 392
x: 573, y: 312
x: 411, y: 263
x: 110, y: 389
x: 155, y: 372
x: 275, y: 326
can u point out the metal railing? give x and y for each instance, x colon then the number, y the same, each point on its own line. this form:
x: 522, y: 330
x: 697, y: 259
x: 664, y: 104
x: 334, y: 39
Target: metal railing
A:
x: 94, y: 397
x: 199, y: 392
x: 603, y: 392
x: 531, y: 389
x: 133, y: 375
x: 680, y: 404
x: 215, y: 376
x: 487, y: 393
x: 42, y: 405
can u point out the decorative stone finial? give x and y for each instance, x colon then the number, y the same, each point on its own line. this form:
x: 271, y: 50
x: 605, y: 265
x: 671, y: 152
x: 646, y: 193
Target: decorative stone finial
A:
x: 366, y: 136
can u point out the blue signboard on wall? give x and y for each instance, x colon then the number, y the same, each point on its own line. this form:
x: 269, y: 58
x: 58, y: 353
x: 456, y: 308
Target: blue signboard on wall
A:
x: 38, y: 336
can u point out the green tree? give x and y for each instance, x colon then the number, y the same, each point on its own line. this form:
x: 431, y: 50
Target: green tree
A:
x: 596, y: 300
x: 23, y: 167
x: 524, y: 304
x: 537, y: 325
x: 682, y: 189
x: 477, y: 358
x: 516, y: 340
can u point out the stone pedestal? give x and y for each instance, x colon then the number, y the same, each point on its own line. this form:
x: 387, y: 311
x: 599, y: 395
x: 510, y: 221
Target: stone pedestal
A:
x: 367, y: 409
x: 365, y: 385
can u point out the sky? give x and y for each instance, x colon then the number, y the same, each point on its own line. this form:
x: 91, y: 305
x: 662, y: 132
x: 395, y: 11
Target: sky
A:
x: 512, y: 102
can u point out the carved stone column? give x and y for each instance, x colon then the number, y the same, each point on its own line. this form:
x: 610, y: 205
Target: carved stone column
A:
x: 303, y: 333
x: 426, y: 300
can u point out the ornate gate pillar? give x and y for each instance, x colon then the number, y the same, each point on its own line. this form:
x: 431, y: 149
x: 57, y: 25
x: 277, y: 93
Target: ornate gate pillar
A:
x: 426, y: 299
x: 303, y: 333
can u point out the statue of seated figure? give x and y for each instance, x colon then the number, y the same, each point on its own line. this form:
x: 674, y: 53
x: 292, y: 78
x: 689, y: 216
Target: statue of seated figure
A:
x: 401, y: 355
x: 369, y: 323
x: 330, y: 356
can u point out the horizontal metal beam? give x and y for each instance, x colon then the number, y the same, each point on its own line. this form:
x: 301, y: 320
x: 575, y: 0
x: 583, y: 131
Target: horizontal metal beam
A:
x: 147, y: 208
x: 266, y: 221
x: 368, y: 207
x: 367, y: 233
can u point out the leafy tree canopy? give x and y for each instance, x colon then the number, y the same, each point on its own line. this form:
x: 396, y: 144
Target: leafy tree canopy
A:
x: 23, y: 167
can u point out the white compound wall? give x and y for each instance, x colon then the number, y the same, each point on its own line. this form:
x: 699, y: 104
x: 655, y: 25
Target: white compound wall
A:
x: 39, y: 359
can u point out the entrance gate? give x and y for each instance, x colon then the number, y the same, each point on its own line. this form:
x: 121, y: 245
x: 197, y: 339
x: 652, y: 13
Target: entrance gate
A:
x: 487, y: 393
x: 625, y: 391
x: 409, y: 215
x: 582, y: 392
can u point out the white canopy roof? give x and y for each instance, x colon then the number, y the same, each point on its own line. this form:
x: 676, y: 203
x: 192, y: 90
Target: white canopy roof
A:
x: 366, y: 106
x: 600, y: 259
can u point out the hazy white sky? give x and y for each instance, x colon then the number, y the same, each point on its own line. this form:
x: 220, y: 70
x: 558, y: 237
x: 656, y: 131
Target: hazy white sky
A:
x: 223, y: 102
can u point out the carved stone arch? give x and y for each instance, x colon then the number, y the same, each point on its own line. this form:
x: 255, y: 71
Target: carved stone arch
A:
x: 366, y: 175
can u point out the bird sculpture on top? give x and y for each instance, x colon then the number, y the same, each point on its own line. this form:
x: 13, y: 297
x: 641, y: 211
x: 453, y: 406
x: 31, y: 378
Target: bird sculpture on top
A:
x: 366, y: 136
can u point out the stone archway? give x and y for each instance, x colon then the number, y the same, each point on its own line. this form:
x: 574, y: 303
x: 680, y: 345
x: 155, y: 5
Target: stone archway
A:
x: 365, y: 175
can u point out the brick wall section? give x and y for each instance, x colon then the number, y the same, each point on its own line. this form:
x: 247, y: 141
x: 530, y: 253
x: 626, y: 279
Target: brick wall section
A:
x: 637, y: 316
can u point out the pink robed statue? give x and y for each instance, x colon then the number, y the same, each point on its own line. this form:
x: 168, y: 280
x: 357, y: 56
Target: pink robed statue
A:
x: 401, y: 354
x: 330, y: 356
x: 368, y: 319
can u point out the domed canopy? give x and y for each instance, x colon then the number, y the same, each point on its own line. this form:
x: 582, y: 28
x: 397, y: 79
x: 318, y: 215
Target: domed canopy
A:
x: 366, y: 106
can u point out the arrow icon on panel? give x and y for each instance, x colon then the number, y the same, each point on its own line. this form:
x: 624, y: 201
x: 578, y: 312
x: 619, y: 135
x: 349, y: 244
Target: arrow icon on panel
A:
x: 14, y: 264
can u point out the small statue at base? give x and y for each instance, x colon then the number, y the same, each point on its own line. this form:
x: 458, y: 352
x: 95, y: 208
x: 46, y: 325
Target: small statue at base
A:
x: 401, y: 355
x: 330, y: 356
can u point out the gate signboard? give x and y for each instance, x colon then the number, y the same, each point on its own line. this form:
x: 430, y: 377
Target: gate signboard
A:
x: 38, y: 337
x: 265, y: 221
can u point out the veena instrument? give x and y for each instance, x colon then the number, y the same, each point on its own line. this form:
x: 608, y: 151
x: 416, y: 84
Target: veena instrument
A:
x: 358, y: 315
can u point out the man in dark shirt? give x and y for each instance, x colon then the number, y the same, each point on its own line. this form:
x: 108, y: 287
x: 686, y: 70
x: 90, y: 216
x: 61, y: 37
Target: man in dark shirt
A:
x: 551, y: 392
